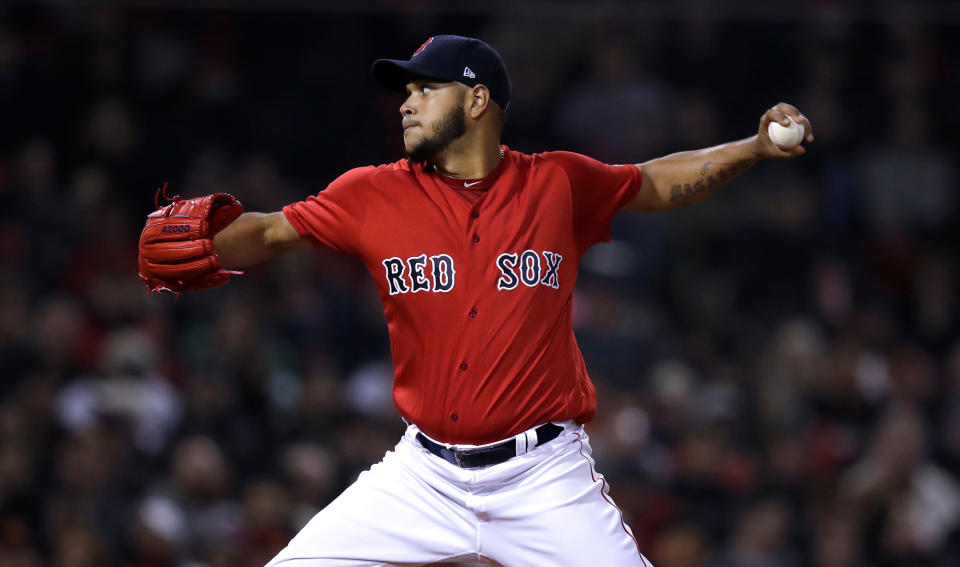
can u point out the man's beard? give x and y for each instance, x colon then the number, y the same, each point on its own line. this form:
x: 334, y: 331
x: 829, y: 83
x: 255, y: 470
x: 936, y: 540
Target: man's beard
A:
x: 447, y: 130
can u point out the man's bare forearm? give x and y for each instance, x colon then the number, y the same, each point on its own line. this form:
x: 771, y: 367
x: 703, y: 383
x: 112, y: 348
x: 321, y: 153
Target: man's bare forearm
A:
x: 687, y: 177
x: 255, y: 238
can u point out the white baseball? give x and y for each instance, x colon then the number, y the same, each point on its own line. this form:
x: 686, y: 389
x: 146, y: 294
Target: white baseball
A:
x: 785, y: 137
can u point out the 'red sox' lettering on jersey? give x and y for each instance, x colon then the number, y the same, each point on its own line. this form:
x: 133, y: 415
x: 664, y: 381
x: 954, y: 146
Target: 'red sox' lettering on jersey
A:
x: 413, y: 275
x: 467, y: 369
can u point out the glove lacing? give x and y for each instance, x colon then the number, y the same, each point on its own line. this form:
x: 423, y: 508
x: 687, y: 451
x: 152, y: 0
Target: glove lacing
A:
x: 163, y: 191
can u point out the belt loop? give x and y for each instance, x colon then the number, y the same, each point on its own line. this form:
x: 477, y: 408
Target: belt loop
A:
x: 521, y: 443
x: 531, y: 436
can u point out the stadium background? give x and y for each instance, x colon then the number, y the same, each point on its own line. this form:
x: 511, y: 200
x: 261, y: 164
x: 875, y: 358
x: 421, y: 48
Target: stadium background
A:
x: 778, y: 367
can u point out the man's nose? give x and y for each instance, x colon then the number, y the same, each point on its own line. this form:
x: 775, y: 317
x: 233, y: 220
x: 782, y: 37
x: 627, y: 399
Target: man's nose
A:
x: 407, y: 108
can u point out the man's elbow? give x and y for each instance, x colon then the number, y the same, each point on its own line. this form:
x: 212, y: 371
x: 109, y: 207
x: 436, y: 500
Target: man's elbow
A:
x: 648, y: 199
x: 280, y: 236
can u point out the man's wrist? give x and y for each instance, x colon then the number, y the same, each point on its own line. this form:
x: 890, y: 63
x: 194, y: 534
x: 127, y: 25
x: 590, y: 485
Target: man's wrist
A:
x: 752, y: 149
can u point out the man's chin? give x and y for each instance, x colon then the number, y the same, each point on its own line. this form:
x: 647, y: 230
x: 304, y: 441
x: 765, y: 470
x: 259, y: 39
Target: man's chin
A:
x: 418, y: 153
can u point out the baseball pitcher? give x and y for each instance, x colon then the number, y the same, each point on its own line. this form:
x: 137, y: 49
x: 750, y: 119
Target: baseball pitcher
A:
x: 474, y: 249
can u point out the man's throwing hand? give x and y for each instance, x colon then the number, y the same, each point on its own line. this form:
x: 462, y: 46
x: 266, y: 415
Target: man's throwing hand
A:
x: 781, y: 113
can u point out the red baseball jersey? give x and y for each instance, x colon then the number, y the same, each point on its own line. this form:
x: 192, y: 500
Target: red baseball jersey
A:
x: 476, y: 278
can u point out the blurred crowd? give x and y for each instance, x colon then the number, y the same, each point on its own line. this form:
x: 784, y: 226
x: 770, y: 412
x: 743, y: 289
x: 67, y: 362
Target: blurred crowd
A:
x: 778, y: 367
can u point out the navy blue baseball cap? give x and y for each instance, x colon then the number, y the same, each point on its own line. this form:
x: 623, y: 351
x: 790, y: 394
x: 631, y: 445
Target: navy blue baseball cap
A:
x: 449, y: 58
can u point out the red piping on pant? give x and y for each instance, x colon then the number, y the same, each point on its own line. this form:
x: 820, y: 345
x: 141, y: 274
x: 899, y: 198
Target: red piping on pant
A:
x: 603, y: 492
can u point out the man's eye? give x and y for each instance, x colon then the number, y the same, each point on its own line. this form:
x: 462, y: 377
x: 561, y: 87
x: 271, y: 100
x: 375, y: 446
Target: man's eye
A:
x: 426, y: 89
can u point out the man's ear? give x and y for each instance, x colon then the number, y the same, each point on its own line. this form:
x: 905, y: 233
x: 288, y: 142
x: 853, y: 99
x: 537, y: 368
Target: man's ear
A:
x: 479, y: 101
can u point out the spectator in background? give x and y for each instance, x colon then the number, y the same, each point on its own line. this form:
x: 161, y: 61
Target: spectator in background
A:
x: 909, y: 506
x: 620, y: 92
x: 192, y: 510
x: 761, y: 538
x: 908, y: 184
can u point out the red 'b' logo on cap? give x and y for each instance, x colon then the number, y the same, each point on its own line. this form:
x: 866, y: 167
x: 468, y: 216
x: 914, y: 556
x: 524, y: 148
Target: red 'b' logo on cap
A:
x: 419, y: 49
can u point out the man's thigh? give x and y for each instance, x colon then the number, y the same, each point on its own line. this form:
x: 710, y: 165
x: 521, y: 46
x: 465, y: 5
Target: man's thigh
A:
x: 387, y: 517
x: 562, y: 516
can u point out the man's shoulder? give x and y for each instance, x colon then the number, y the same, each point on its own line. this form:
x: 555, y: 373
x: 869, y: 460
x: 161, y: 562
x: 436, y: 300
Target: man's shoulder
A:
x: 401, y: 166
x: 556, y: 159
x: 559, y: 156
x: 567, y: 160
x: 369, y: 173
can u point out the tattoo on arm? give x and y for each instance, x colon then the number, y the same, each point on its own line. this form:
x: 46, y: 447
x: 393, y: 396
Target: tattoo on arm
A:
x: 712, y: 176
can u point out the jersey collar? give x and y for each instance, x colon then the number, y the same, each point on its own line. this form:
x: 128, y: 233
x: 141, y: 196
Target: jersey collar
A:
x: 481, y: 184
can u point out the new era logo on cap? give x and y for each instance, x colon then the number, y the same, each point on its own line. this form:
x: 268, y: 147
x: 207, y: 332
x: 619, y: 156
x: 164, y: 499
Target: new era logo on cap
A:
x: 449, y: 58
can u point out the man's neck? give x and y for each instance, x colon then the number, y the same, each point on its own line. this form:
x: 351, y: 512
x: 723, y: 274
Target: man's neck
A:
x: 468, y: 164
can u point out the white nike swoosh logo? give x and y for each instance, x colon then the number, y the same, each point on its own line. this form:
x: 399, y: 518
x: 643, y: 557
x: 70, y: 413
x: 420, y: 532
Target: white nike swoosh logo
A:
x: 465, y: 184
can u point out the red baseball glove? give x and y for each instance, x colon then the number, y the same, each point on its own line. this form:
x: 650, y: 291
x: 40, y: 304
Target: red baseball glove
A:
x: 176, y: 245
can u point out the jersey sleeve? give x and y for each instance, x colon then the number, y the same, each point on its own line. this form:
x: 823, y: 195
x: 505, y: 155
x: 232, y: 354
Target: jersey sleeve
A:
x: 598, y: 191
x: 335, y: 216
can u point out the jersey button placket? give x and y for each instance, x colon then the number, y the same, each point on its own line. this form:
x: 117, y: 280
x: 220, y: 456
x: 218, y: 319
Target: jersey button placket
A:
x: 473, y: 312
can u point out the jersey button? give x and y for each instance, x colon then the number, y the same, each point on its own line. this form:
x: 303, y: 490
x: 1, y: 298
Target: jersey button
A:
x: 473, y: 313
x: 474, y: 214
x: 463, y: 366
x: 476, y: 238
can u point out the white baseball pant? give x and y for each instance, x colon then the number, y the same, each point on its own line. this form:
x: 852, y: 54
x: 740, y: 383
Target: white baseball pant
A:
x: 545, y: 507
